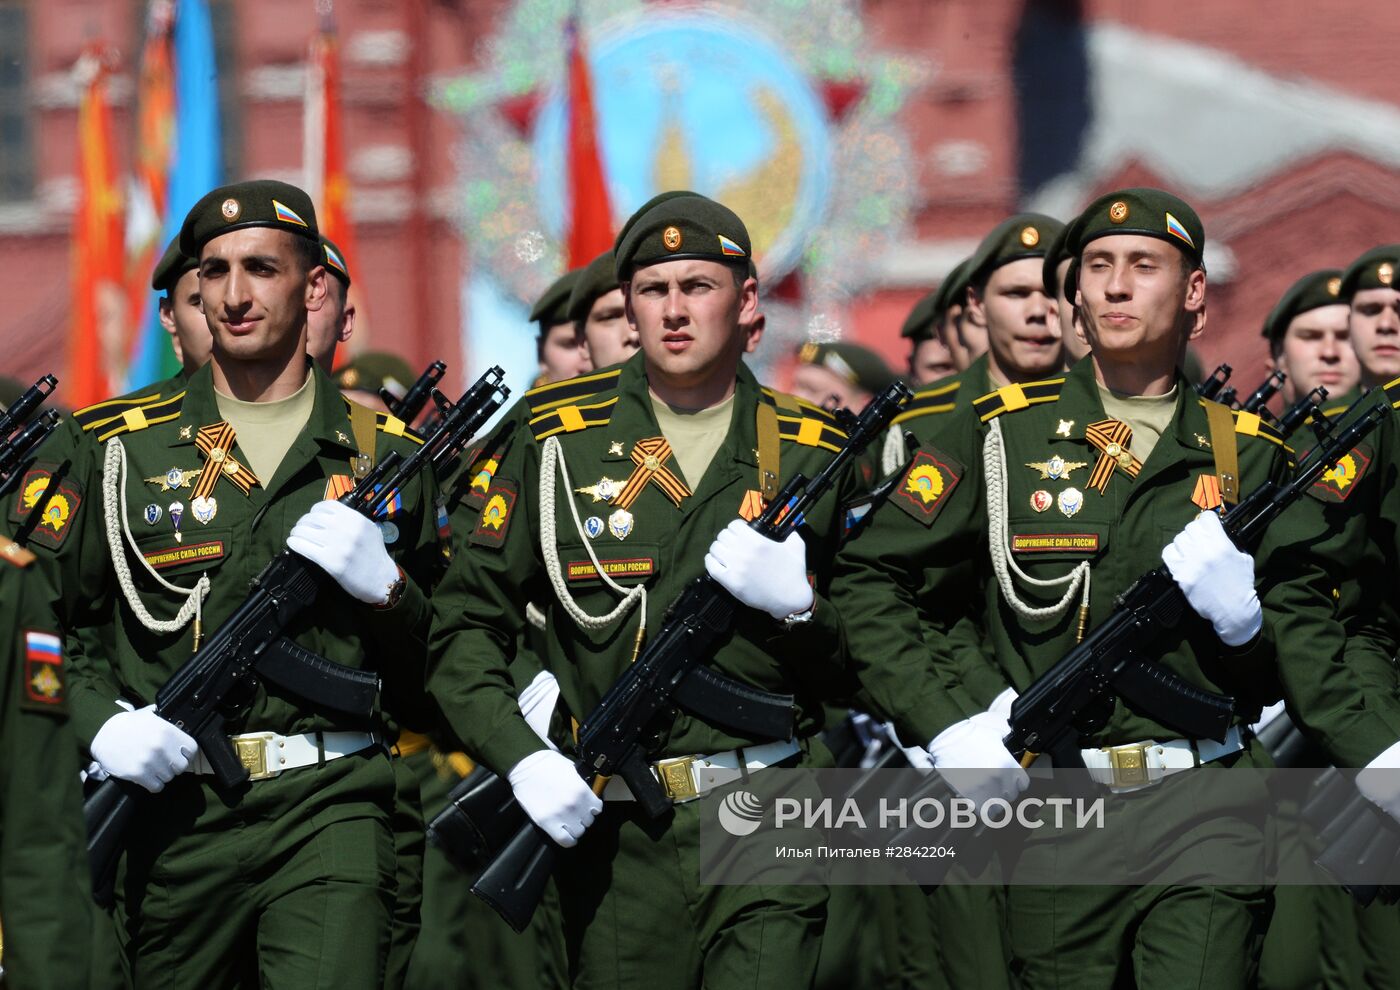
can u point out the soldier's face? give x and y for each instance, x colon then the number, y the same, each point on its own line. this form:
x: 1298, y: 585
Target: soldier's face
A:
x: 183, y: 319
x: 953, y: 337
x: 972, y: 332
x: 562, y: 355
x: 930, y: 361
x: 688, y: 314
x: 1317, y: 351
x: 1375, y: 333
x: 331, y: 325
x: 822, y: 387
x: 1075, y: 348
x: 610, y: 340
x: 257, y: 293
x: 1135, y: 304
x: 1023, y: 330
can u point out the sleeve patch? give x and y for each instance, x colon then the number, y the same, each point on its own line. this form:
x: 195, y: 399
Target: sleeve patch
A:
x: 44, y: 682
x: 926, y: 484
x: 496, y: 514
x: 1338, y: 482
x: 58, y: 515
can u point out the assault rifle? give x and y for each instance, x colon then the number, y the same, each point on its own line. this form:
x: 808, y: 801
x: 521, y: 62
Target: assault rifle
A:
x: 219, y: 679
x: 1261, y: 395
x: 413, y: 401
x: 20, y: 438
x: 1210, y: 387
x: 669, y: 673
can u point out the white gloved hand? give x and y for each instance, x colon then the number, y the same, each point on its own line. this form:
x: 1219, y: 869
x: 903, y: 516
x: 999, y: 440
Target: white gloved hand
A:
x: 1002, y: 703
x: 548, y: 787
x: 972, y: 756
x: 761, y: 573
x: 1379, y: 783
x: 349, y: 548
x: 1217, y: 578
x: 142, y: 747
x: 537, y: 704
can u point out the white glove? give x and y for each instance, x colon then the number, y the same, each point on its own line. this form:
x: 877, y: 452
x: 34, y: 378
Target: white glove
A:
x: 1002, y: 703
x: 349, y: 548
x: 142, y: 747
x: 555, y: 797
x: 537, y: 704
x: 976, y: 762
x: 1379, y: 783
x: 761, y: 573
x: 1217, y: 578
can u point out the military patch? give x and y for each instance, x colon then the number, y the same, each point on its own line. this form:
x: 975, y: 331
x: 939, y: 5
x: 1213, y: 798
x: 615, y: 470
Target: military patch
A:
x: 1041, y: 500
x: 43, y: 669
x: 627, y: 567
x: 1207, y: 494
x: 494, y: 523
x: 1338, y: 482
x: 1055, y: 543
x: 181, y: 554
x: 58, y: 514
x: 927, y: 483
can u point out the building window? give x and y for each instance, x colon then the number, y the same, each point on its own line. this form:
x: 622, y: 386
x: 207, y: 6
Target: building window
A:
x: 16, y: 123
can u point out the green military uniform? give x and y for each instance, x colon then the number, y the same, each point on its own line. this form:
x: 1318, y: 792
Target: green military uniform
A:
x: 1070, y: 499
x: 45, y: 909
x: 634, y: 878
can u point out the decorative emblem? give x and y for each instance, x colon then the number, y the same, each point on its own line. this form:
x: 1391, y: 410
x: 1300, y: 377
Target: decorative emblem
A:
x: 605, y: 490
x: 186, y: 432
x: 1112, y: 439
x: 1071, y: 500
x: 620, y: 524
x: 1177, y: 230
x: 1202, y: 441
x: 924, y: 482
x: 650, y: 456
x: 493, y: 516
x: 390, y: 531
x: 1065, y: 426
x: 152, y: 514
x: 593, y: 526
x: 671, y: 237
x: 1030, y: 237
x: 1334, y: 285
x: 205, y: 508
x: 340, y: 435
x: 1056, y: 468
x: 214, y: 442
x: 752, y: 505
x: 1206, y: 495
x: 1041, y: 500
x: 231, y: 209
x: 1118, y: 212
x: 1385, y: 273
x: 177, y: 513
x: 615, y: 448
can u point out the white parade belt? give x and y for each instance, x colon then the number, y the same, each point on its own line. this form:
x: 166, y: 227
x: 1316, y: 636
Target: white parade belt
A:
x: 267, y: 754
x: 1132, y: 766
x: 685, y: 778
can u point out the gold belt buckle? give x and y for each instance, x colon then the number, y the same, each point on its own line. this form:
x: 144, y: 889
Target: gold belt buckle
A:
x: 1129, y: 765
x: 676, y: 778
x: 252, y: 749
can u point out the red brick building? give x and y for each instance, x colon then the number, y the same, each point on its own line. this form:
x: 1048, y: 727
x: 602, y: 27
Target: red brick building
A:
x: 1283, y: 130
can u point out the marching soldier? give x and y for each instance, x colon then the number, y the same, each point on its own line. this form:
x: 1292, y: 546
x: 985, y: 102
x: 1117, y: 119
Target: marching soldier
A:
x: 333, y: 324
x: 168, y: 514
x: 1075, y: 491
x: 847, y: 375
x: 1309, y: 340
x: 596, y: 307
x: 930, y: 358
x: 631, y: 473
x: 558, y: 344
x: 1057, y: 261
x: 181, y: 314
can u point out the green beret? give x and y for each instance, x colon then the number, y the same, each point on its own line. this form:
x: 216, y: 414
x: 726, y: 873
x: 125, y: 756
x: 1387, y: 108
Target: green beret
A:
x: 373, y: 369
x: 1376, y: 269
x: 1057, y: 252
x: 920, y: 323
x: 597, y: 278
x: 857, y: 365
x: 553, y: 306
x: 173, y: 263
x: 682, y: 227
x: 646, y: 208
x: 1145, y: 212
x: 258, y: 203
x: 335, y: 261
x: 953, y: 290
x: 1026, y: 235
x: 1309, y: 292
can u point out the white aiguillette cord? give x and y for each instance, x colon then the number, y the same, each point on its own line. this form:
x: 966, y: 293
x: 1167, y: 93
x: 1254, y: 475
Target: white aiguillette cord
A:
x: 549, y: 545
x: 114, y: 508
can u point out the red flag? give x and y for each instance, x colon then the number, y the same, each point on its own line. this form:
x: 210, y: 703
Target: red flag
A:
x: 97, y: 344
x: 590, y: 213
x: 323, y: 153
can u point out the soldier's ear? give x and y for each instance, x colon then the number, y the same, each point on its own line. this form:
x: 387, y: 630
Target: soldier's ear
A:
x: 317, y: 288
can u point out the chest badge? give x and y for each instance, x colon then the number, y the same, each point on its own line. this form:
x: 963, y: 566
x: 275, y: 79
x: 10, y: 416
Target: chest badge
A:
x: 620, y: 524
x: 1071, y: 500
x: 1041, y: 500
x: 615, y: 448
x: 177, y: 515
x: 593, y: 526
x: 175, y: 479
x: 152, y: 514
x: 205, y: 508
x: 1063, y: 430
x: 1207, y: 493
x: 1056, y: 468
x: 605, y: 490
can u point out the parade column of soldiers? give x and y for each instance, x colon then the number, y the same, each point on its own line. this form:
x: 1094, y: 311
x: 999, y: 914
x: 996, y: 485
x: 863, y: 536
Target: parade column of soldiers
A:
x: 1028, y: 497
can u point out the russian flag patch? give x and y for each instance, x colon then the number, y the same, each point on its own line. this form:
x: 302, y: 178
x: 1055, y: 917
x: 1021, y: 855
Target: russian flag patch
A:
x: 729, y: 249
x: 287, y: 215
x: 43, y: 668
x: 1175, y: 228
x: 336, y: 261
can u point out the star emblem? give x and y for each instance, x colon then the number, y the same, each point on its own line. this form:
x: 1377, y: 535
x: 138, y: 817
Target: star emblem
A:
x: 1065, y: 426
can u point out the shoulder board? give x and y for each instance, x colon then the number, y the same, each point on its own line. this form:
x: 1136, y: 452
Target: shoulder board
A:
x: 811, y: 432
x: 572, y: 418
x: 12, y: 553
x: 571, y: 391
x: 930, y: 401
x: 1336, y: 411
x: 1392, y: 393
x: 139, y: 417
x: 395, y: 427
x: 794, y: 406
x: 1012, y: 398
x: 98, y: 413
x: 1250, y: 425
